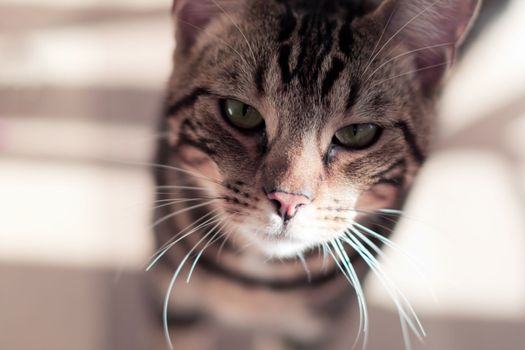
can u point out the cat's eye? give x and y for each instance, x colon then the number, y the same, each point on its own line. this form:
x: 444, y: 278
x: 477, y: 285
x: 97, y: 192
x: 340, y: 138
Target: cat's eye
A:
x: 358, y: 136
x: 241, y: 115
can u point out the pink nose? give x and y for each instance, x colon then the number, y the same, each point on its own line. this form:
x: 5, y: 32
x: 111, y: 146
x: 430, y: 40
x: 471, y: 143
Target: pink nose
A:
x: 287, y: 203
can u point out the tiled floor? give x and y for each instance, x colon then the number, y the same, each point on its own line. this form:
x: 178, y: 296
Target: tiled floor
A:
x: 80, y: 87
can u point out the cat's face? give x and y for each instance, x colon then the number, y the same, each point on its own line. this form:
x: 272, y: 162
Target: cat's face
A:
x: 308, y: 116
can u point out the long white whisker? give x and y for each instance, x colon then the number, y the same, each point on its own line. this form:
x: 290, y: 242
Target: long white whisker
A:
x: 224, y: 222
x: 206, y: 246
x: 403, y: 28
x: 391, y: 211
x: 413, y: 263
x: 167, y: 167
x: 239, y: 29
x: 383, y: 239
x: 226, y: 237
x: 164, y: 250
x: 372, y: 57
x: 170, y: 288
x: 305, y: 266
x: 205, y: 31
x: 189, y: 227
x: 405, y: 333
x: 176, y: 201
x: 354, y: 280
x: 178, y: 212
x: 182, y: 188
x: 403, y: 55
x: 411, y: 72
x: 325, y: 257
x: 390, y: 287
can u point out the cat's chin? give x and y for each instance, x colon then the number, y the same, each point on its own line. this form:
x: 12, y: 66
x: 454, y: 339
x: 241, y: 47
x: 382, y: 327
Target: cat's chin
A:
x: 283, y: 248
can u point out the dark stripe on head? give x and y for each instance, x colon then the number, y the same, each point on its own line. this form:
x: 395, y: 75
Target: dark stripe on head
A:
x: 346, y: 35
x: 346, y: 39
x: 353, y: 95
x: 411, y: 141
x: 187, y: 101
x: 287, y: 22
x: 325, y: 41
x: 260, y: 78
x: 284, y: 63
x: 331, y: 77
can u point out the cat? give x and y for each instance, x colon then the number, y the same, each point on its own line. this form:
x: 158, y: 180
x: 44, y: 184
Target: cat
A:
x: 295, y: 131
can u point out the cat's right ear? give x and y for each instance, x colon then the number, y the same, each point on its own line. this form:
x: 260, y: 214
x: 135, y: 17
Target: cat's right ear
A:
x: 430, y: 29
x: 191, y: 19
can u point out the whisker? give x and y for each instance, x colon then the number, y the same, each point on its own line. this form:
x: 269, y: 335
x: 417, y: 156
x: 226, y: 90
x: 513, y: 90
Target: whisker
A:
x: 164, y: 250
x: 205, y: 31
x: 149, y: 203
x: 403, y: 28
x: 203, y: 217
x: 386, y: 214
x: 406, y: 54
x: 372, y: 57
x: 211, y: 241
x: 178, y: 212
x: 352, y: 277
x: 405, y: 333
x: 166, y: 167
x: 325, y: 257
x: 169, y: 291
x: 391, y: 211
x: 382, y: 238
x: 305, y: 266
x: 239, y: 29
x: 411, y: 72
x: 184, y: 199
x: 394, y: 292
x: 413, y: 262
x: 177, y: 201
x: 226, y: 237
x: 182, y: 188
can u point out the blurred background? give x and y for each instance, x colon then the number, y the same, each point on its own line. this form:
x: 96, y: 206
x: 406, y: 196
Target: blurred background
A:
x: 81, y: 82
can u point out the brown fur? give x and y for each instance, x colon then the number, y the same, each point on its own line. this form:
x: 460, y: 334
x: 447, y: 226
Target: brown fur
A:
x: 310, y: 68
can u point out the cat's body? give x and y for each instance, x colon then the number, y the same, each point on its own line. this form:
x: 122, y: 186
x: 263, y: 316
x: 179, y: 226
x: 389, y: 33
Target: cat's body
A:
x: 291, y: 124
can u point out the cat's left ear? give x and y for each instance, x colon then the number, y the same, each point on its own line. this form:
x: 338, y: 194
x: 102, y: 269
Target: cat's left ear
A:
x: 433, y: 29
x: 191, y: 19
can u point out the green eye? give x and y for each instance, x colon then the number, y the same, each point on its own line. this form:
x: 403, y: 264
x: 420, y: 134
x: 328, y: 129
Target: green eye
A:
x: 358, y: 136
x: 241, y: 115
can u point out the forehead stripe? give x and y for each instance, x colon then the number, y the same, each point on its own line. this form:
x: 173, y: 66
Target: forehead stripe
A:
x: 346, y: 38
x: 353, y: 95
x: 288, y: 22
x: 331, y: 77
x: 260, y: 78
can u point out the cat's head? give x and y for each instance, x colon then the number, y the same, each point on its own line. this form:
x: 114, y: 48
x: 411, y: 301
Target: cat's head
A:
x: 308, y: 113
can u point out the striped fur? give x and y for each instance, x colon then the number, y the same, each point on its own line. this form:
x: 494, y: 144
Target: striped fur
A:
x: 310, y: 68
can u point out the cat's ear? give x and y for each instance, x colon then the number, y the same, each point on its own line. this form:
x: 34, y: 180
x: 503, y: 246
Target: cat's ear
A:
x: 191, y: 19
x: 433, y: 29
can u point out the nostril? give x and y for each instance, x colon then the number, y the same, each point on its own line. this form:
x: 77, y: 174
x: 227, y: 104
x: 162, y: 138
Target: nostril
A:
x: 287, y: 204
x: 276, y: 204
